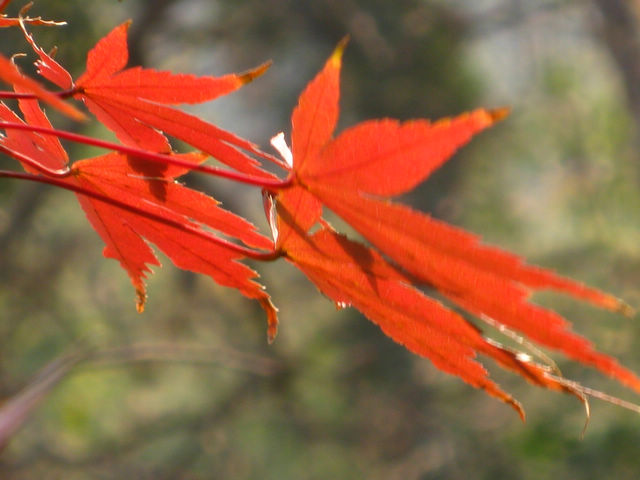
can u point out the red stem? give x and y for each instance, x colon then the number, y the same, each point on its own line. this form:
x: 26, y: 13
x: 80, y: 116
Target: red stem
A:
x: 243, y: 251
x: 72, y: 91
x: 31, y: 96
x: 154, y: 157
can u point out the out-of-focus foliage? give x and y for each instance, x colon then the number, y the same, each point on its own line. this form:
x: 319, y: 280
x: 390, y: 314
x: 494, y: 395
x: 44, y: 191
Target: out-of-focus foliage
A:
x: 332, y: 398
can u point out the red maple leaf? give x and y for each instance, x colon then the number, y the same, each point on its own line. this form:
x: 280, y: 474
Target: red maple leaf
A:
x: 132, y: 102
x: 6, y: 21
x: 127, y: 210
x: 353, y: 275
x: 10, y: 74
x: 354, y: 175
x: 130, y: 201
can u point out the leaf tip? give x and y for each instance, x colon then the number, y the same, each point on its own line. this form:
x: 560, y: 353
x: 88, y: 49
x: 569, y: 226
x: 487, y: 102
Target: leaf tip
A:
x: 272, y: 318
x: 74, y: 113
x: 141, y: 299
x: 336, y: 56
x: 254, y: 73
x: 625, y: 309
x: 516, y: 405
x: 498, y: 114
x: 615, y: 304
x: 271, y: 335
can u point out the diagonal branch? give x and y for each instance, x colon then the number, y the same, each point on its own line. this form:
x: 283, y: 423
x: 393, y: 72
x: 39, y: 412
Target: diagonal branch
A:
x: 18, y: 409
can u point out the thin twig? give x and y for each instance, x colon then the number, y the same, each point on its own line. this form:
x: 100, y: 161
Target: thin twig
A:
x: 154, y: 157
x: 183, y: 353
x: 182, y: 226
x: 18, y: 409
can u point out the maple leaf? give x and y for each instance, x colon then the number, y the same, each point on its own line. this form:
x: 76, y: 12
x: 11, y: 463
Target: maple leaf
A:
x: 123, y: 232
x: 6, y: 21
x: 127, y: 210
x: 47, y: 66
x: 353, y: 275
x: 132, y: 102
x: 44, y: 151
x: 354, y: 175
x: 10, y: 74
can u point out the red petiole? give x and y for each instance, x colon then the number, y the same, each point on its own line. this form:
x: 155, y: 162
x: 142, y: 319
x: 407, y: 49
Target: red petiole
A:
x: 31, y: 96
x: 243, y: 251
x: 268, y: 183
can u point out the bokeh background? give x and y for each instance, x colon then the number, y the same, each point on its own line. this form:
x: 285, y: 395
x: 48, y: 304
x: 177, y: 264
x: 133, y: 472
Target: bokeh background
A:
x: 191, y: 390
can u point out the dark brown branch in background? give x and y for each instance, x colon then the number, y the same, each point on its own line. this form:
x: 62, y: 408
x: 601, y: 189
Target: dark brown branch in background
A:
x: 619, y: 29
x: 621, y: 34
x: 151, y: 15
x: 185, y: 354
x: 19, y: 408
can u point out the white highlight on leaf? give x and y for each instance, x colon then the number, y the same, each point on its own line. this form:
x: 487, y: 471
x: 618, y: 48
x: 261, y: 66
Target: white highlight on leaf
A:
x: 279, y: 143
x: 272, y: 214
x: 524, y: 357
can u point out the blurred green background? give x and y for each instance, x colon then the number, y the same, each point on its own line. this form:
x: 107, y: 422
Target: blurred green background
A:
x: 191, y: 390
